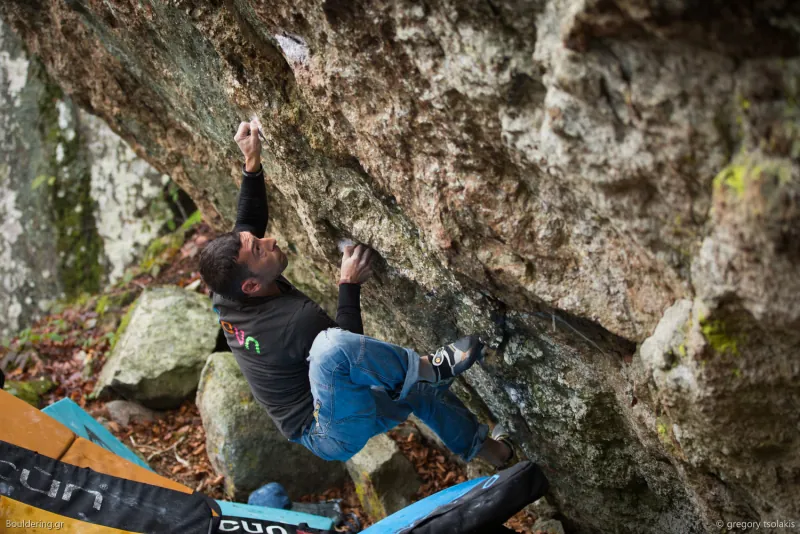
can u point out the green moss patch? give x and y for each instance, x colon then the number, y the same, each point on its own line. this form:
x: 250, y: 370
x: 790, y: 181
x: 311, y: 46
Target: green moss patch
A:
x: 720, y: 337
x: 123, y: 324
x: 162, y: 250
x: 68, y: 178
x: 30, y: 391
x: 737, y: 177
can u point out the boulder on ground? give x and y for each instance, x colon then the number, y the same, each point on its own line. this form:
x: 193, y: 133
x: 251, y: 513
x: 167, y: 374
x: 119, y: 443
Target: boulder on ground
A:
x: 162, y: 345
x: 385, y: 479
x: 548, y: 526
x: 125, y: 412
x: 243, y: 443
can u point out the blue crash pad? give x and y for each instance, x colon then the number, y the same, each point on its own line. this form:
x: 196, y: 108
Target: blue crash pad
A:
x: 407, y: 516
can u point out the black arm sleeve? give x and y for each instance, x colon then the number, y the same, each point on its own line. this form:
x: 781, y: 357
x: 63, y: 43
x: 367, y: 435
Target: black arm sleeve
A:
x: 348, y: 315
x: 252, y: 213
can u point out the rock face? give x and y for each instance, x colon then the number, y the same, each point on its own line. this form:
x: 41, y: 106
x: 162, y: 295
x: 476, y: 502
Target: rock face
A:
x: 557, y: 173
x: 77, y: 204
x: 385, y: 479
x: 243, y: 443
x: 162, y: 345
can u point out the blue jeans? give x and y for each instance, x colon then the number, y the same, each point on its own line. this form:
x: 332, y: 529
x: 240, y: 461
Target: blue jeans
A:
x: 363, y: 387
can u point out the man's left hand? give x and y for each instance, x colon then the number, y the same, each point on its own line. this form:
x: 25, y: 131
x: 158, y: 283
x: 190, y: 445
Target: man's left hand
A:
x: 356, y: 264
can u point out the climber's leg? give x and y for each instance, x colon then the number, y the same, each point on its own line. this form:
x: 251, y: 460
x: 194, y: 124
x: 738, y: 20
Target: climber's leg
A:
x: 446, y: 415
x: 338, y: 356
x: 343, y: 367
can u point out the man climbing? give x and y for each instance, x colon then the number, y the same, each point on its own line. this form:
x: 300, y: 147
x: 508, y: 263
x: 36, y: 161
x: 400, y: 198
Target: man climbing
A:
x: 324, y: 383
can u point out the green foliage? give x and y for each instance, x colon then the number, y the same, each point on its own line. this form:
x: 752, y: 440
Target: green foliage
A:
x: 102, y: 305
x: 737, y: 176
x: 193, y: 220
x: 161, y: 250
x: 24, y: 337
x: 732, y: 177
x: 41, y: 180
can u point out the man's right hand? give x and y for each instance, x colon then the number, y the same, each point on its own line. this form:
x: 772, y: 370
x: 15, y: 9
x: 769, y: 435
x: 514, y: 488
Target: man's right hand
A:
x: 356, y: 264
x: 250, y: 145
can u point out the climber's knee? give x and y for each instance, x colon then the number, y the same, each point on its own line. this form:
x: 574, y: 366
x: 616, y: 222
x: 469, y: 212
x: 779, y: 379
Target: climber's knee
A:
x: 334, y: 345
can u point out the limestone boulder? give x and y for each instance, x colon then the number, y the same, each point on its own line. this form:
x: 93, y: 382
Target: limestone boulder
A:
x: 162, y: 345
x: 243, y: 443
x: 385, y: 479
x: 77, y: 205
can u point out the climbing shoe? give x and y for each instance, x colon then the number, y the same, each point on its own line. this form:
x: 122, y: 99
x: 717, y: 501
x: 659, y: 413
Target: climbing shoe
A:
x: 501, y: 434
x: 451, y: 360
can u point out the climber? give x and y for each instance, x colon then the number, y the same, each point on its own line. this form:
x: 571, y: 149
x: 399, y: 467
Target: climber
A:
x: 325, y: 384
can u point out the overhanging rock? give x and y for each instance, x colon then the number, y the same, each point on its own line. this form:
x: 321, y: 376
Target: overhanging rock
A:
x: 554, y: 174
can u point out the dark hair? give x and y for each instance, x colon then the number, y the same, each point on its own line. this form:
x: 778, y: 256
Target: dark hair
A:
x: 220, y: 269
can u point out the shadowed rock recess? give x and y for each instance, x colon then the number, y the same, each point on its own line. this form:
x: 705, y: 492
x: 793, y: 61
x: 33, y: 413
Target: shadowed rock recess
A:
x: 571, y: 177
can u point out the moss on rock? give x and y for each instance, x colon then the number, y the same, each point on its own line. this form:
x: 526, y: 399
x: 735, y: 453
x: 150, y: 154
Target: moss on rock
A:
x: 720, y: 337
x: 738, y: 176
x: 30, y: 391
x: 123, y: 325
x: 78, y: 243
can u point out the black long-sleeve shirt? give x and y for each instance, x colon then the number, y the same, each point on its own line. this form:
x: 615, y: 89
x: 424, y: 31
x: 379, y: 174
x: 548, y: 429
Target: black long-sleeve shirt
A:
x: 270, y: 337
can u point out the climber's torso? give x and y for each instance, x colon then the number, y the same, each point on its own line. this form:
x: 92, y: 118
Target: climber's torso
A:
x: 270, y: 338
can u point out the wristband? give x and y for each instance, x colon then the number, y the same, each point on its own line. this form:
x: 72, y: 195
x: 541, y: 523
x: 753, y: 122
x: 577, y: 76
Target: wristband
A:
x: 253, y: 174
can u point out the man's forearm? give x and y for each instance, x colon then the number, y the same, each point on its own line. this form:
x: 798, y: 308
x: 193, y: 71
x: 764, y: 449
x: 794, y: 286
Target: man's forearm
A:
x: 253, y: 214
x: 348, y: 314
